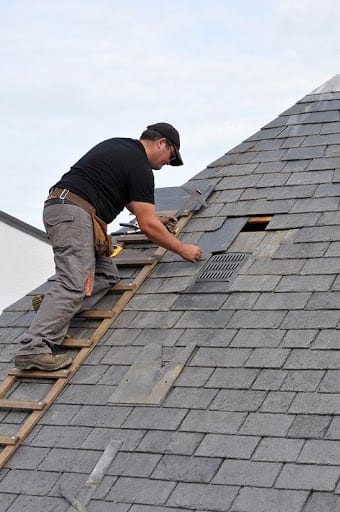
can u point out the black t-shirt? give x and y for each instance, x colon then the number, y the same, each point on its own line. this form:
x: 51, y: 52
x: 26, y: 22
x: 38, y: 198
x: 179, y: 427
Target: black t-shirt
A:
x: 113, y: 173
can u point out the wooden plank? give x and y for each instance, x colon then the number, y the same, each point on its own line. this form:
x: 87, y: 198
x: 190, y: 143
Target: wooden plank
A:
x: 95, y: 314
x: 259, y: 219
x: 23, y: 405
x: 76, y: 343
x: 132, y: 238
x: 8, y: 440
x: 125, y: 261
x: 6, y: 385
x: 38, y: 374
x: 123, y: 286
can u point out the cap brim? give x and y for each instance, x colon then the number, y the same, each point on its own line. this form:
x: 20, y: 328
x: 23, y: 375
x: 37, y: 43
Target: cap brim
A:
x: 178, y: 160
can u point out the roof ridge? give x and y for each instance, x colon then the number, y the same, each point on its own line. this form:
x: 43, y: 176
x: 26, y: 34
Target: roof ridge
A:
x: 331, y: 85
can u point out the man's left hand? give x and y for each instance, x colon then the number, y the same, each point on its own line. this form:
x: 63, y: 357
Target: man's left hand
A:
x: 169, y: 222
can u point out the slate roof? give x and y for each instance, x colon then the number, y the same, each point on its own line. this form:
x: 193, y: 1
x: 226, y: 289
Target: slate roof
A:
x: 23, y: 226
x: 252, y: 424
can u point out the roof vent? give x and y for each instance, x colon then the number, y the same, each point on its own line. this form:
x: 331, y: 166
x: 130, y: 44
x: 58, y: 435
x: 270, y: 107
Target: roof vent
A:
x: 222, y: 267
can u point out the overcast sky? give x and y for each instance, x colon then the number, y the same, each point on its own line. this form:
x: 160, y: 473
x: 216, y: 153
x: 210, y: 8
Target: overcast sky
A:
x: 75, y: 72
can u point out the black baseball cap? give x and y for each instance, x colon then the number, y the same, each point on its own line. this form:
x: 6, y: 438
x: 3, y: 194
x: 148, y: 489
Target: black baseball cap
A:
x: 172, y: 135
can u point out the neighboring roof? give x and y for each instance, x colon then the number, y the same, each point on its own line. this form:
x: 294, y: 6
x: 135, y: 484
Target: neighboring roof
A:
x: 23, y: 226
x: 252, y: 422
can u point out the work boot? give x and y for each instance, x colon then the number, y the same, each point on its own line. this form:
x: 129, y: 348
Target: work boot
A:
x: 47, y: 362
x: 36, y: 302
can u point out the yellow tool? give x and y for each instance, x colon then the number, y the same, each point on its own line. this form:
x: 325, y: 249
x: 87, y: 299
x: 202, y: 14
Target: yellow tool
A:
x: 117, y: 249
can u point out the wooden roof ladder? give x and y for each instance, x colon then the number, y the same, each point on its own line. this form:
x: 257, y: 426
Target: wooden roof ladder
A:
x: 59, y: 379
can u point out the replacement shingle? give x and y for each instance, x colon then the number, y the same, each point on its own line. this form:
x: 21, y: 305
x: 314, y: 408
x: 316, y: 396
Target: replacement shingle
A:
x: 147, y: 382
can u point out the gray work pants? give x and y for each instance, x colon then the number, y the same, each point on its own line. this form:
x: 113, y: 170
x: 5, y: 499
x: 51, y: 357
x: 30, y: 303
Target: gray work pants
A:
x: 81, y: 278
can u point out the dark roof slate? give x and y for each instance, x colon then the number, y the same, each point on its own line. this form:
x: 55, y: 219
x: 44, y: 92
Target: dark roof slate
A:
x: 252, y: 422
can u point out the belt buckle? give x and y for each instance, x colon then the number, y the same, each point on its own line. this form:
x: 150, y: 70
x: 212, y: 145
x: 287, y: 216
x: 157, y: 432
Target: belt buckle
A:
x: 63, y: 193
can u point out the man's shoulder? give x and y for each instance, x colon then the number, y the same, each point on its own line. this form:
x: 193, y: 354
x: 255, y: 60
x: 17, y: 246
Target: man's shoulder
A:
x: 122, y: 142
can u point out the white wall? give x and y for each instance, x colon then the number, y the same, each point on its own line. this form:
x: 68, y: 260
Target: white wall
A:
x: 25, y: 263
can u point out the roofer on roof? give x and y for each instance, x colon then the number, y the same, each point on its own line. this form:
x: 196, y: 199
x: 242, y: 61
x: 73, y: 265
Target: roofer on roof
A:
x: 114, y: 174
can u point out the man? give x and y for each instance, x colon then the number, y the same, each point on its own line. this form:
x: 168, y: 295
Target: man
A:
x: 116, y: 173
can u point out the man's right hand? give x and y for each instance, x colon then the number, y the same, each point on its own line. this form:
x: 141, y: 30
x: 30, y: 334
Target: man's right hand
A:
x: 191, y: 252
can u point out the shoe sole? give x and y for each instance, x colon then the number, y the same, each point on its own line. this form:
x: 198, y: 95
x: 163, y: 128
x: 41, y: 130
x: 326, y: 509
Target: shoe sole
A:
x: 26, y: 365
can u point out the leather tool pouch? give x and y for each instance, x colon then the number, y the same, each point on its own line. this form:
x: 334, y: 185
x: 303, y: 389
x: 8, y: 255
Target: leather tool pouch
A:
x: 103, y: 241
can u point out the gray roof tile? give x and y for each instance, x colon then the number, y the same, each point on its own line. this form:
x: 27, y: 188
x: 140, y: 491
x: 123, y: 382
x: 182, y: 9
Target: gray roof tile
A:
x: 274, y: 449
x: 242, y: 472
x: 324, y: 163
x: 277, y: 401
x: 256, y: 338
x: 252, y: 499
x: 300, y: 130
x: 22, y: 481
x: 309, y: 426
x: 236, y: 182
x: 133, y: 464
x: 267, y: 424
x: 321, y: 501
x: 333, y: 431
x: 293, y: 142
x: 212, y: 497
x: 31, y: 503
x: 330, y: 128
x: 234, y: 378
x: 220, y: 357
x: 305, y: 178
x: 101, y: 437
x: 232, y: 447
x: 190, y: 398
x: 143, y: 490
x: 316, y: 205
x: 236, y: 170
x: 294, y: 476
x: 154, y: 418
x: 213, y: 422
x: 237, y: 400
x: 270, y: 380
x: 187, y: 469
x: 320, y: 452
x: 304, y: 153
x: 272, y: 180
x: 180, y: 443
x: 293, y: 220
x: 266, y: 133
x: 302, y: 380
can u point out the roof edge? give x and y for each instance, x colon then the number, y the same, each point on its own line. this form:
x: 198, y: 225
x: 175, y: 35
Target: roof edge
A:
x: 23, y: 226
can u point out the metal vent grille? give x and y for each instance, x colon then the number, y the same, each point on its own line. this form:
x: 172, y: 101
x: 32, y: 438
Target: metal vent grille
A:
x: 222, y: 267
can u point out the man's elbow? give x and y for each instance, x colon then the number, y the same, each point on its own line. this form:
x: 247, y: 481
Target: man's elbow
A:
x: 149, y: 225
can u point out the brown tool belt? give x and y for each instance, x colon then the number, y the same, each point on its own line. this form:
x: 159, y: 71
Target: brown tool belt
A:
x: 63, y: 193
x: 103, y: 241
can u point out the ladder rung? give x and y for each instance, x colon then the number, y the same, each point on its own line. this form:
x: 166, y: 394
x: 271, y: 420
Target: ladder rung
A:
x: 8, y: 440
x: 141, y: 260
x: 95, y: 314
x: 76, y: 343
x: 123, y: 285
x: 38, y: 374
x: 132, y: 238
x: 21, y: 404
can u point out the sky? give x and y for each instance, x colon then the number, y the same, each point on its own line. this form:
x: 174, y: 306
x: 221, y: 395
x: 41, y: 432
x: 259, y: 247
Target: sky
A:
x: 75, y: 72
